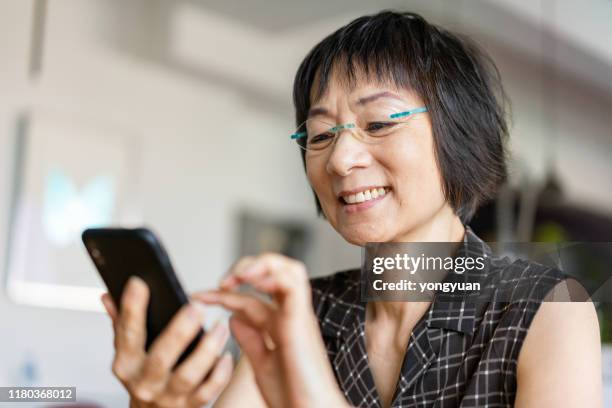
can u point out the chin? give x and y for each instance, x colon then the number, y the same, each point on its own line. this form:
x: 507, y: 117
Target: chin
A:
x: 361, y: 235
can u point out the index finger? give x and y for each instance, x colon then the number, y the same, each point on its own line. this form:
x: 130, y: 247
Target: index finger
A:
x: 250, y: 308
x: 275, y: 274
x: 231, y: 279
x: 109, y: 305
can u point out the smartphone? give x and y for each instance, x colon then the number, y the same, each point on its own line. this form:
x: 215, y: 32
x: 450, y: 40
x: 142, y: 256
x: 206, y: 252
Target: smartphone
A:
x: 119, y: 253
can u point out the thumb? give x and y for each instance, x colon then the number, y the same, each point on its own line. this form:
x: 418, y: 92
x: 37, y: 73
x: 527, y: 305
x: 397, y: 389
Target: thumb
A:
x: 250, y: 339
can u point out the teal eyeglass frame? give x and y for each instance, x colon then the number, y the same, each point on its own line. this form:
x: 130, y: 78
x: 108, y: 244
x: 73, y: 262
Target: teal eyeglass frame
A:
x: 299, y: 135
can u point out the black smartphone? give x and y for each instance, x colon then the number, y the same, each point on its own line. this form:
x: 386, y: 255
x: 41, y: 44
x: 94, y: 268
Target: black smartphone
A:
x: 119, y: 253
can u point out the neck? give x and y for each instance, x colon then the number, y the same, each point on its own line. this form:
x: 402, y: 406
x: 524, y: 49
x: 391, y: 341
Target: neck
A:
x: 398, y: 318
x: 397, y: 311
x: 444, y: 226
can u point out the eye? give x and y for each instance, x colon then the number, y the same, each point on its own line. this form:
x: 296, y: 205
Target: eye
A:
x: 379, y: 127
x: 320, y: 138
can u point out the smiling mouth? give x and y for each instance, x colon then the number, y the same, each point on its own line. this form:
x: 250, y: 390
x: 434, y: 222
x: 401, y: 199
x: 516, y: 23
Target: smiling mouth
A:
x: 364, y: 196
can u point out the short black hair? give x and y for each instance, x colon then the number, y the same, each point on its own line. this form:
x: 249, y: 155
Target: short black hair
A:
x: 458, y: 83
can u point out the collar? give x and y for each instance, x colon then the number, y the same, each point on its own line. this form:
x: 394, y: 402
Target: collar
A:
x: 460, y: 314
x: 457, y: 315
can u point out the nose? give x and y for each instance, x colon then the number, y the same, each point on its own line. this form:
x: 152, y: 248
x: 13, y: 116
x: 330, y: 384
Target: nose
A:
x: 347, y: 154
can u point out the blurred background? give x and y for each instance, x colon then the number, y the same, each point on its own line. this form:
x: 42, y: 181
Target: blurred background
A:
x: 176, y: 115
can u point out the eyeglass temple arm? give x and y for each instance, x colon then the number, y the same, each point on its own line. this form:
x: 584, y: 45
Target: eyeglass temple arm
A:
x: 408, y: 112
x: 298, y: 135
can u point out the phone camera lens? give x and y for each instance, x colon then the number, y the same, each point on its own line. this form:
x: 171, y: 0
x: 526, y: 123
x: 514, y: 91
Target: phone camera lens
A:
x: 97, y: 256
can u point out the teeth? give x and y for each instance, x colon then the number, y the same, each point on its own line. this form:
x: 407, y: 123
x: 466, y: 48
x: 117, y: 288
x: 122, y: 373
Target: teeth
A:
x: 365, y: 195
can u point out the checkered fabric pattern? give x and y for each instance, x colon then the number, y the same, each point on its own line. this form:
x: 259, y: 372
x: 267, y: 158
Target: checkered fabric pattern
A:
x: 460, y: 353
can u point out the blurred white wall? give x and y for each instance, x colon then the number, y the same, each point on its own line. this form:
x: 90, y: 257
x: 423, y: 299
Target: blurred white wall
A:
x: 213, y: 132
x: 206, y: 154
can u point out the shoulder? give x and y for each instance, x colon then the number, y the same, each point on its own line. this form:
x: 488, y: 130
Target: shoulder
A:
x: 565, y: 316
x: 516, y: 290
x: 520, y: 281
x: 561, y: 351
x: 563, y: 324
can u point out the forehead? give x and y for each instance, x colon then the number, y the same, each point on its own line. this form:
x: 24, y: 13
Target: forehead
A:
x: 358, y: 88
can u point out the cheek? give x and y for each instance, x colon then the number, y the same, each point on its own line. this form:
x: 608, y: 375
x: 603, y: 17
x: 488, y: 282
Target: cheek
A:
x: 320, y: 182
x: 415, y: 172
x: 315, y: 175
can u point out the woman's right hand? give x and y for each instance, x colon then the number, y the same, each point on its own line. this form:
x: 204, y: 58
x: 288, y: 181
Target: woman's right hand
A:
x: 148, y: 376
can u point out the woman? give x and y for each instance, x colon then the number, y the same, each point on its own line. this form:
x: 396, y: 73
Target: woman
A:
x: 402, y: 132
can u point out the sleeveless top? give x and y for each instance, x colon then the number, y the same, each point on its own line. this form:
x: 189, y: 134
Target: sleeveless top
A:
x: 459, y: 354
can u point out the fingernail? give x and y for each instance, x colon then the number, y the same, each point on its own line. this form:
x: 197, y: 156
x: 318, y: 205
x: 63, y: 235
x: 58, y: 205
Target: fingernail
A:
x: 226, y: 360
x: 249, y: 270
x: 227, y: 355
x: 193, y: 313
x: 207, y: 296
x: 104, y: 301
x: 219, y: 332
x: 227, y: 281
x: 136, y: 281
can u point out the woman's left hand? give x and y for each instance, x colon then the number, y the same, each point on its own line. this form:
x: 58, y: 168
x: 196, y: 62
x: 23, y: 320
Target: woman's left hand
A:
x: 281, y: 337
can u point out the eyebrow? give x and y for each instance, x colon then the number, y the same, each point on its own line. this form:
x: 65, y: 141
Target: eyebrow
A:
x: 373, y: 97
x: 361, y: 101
x: 317, y: 111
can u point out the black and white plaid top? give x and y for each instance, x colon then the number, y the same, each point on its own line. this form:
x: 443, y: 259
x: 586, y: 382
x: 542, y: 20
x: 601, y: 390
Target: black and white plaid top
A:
x: 460, y: 353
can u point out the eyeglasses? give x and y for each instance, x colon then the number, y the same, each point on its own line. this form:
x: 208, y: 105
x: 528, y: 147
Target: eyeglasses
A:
x: 372, y: 126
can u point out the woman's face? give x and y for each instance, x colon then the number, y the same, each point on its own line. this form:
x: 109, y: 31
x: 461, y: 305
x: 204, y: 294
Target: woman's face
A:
x: 402, y: 163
